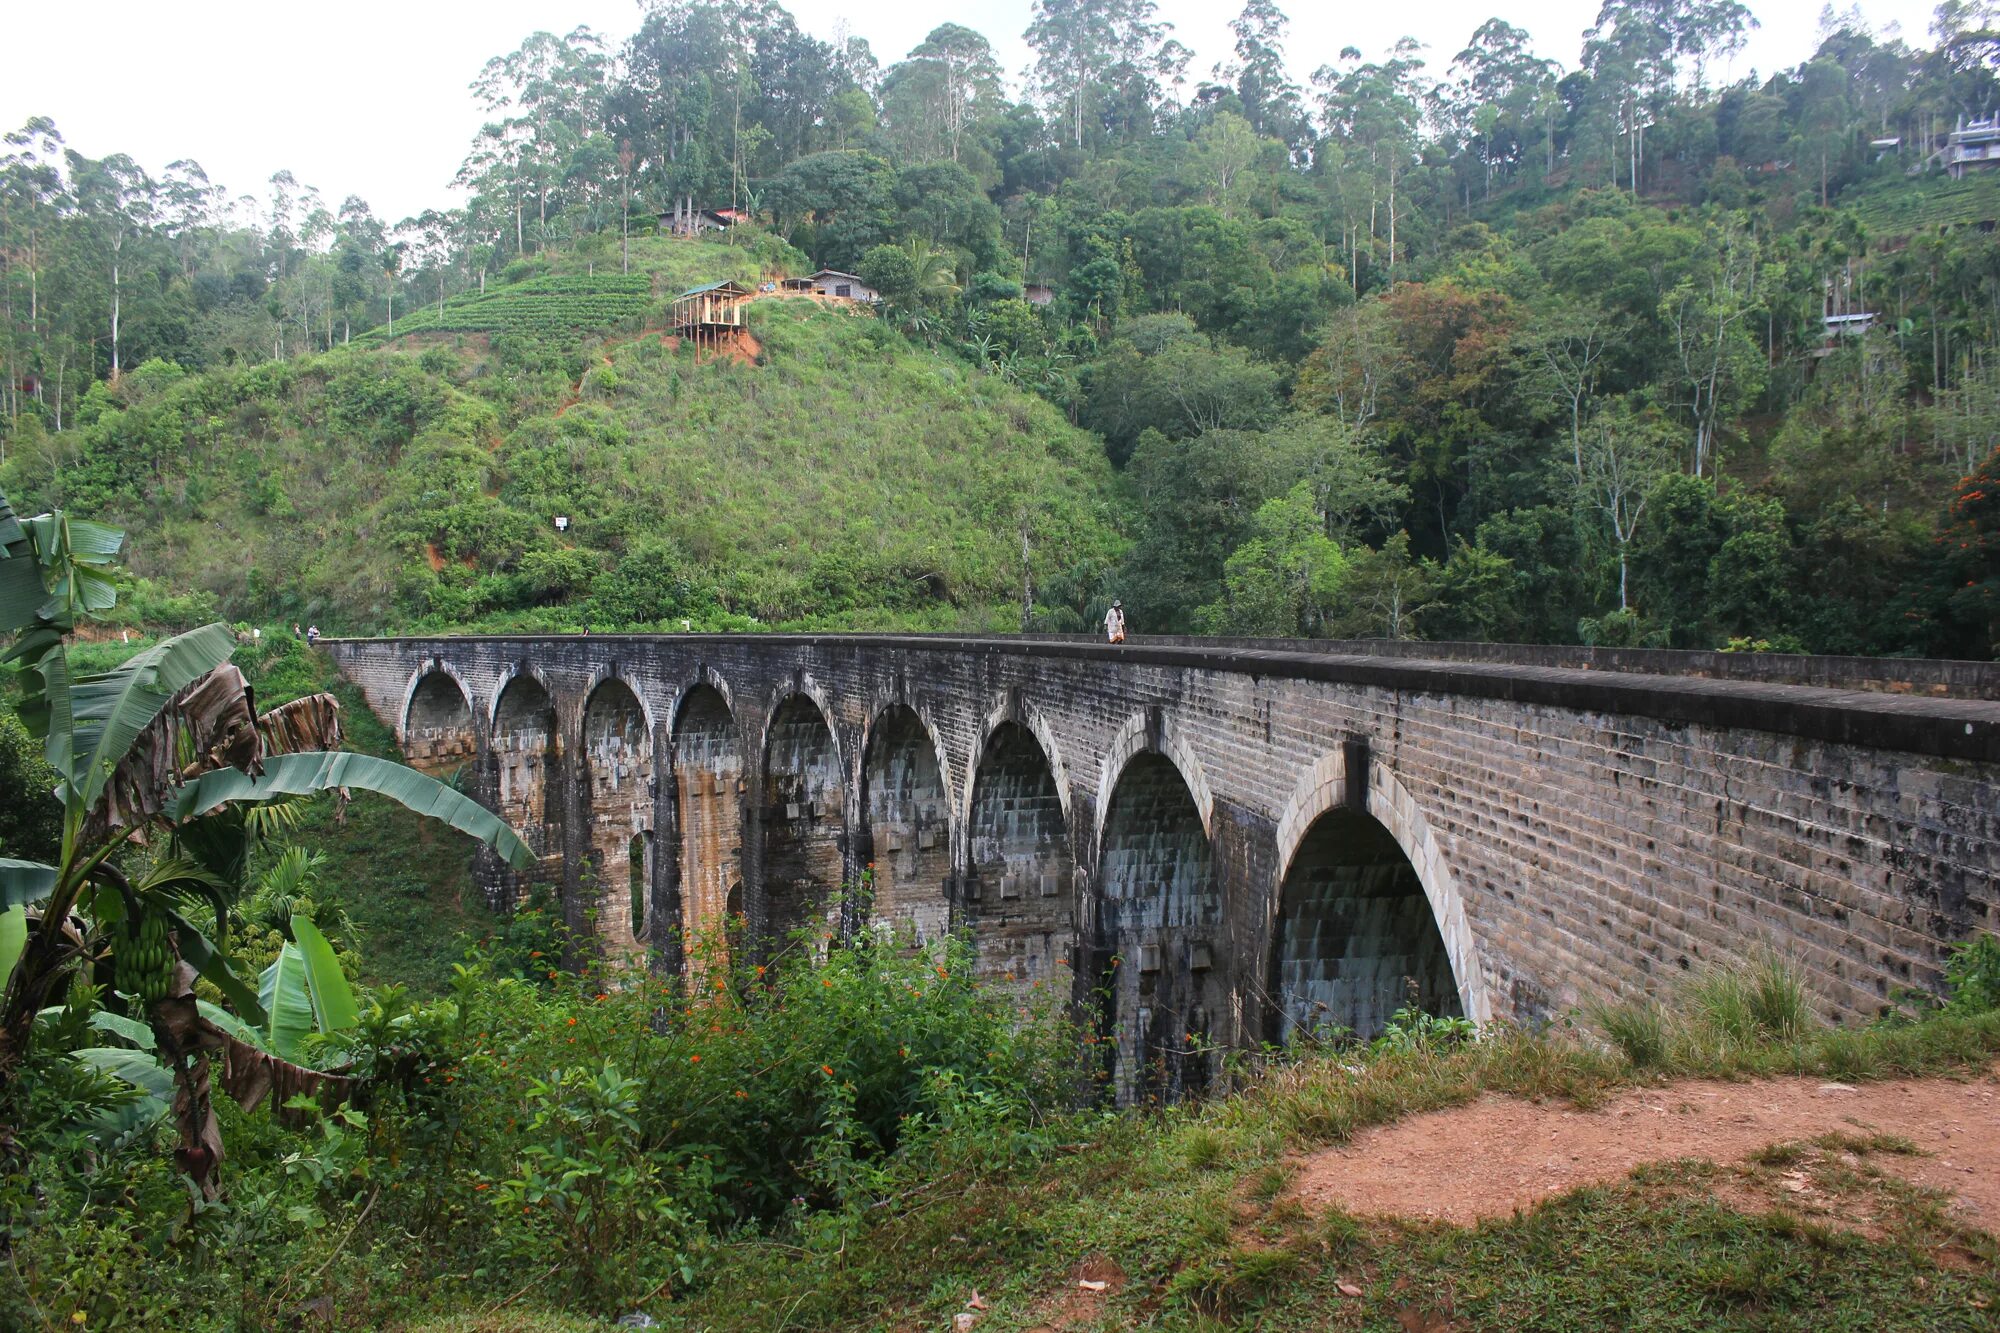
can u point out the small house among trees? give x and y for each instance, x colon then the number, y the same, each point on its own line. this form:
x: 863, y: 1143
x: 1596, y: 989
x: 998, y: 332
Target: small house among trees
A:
x: 1973, y: 146
x: 833, y: 283
x: 694, y: 221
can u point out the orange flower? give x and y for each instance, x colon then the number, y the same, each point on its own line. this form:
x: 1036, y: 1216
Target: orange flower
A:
x: 694, y: 1059
x: 827, y: 1070
x: 482, y: 1185
x: 572, y: 1022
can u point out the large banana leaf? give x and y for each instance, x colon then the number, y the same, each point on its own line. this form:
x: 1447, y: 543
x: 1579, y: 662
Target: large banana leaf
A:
x: 233, y: 1025
x: 333, y: 1003
x: 114, y: 1127
x: 13, y: 939
x: 109, y: 711
x: 288, y: 1001
x: 60, y: 575
x: 21, y: 592
x: 131, y: 1029
x: 23, y: 882
x: 142, y: 1069
x: 300, y: 774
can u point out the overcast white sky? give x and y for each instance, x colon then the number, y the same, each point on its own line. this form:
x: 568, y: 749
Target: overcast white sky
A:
x: 369, y: 97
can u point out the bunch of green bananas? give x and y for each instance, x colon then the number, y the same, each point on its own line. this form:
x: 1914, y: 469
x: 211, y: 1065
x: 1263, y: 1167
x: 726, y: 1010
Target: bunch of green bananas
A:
x: 145, y: 961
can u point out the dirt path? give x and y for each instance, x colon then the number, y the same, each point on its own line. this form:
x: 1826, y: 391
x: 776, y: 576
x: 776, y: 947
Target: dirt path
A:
x: 1499, y: 1155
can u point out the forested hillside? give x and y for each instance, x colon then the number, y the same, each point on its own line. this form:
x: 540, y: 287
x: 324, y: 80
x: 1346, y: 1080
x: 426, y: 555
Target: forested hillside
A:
x: 1407, y: 343
x: 848, y: 477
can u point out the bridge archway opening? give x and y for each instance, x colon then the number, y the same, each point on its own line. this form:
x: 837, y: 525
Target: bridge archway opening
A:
x: 618, y: 764
x: 523, y: 754
x: 804, y: 809
x: 437, y: 726
x: 708, y: 784
x: 909, y: 825
x: 636, y: 882
x: 1356, y: 937
x: 1020, y: 886
x: 1159, y: 921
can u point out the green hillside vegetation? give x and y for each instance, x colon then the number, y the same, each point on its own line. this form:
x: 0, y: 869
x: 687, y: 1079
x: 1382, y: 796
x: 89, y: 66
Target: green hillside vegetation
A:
x: 1445, y: 346
x: 1895, y: 208
x: 842, y: 475
x: 539, y: 307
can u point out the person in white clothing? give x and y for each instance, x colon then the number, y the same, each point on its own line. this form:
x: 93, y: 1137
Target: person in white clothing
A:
x: 1114, y: 623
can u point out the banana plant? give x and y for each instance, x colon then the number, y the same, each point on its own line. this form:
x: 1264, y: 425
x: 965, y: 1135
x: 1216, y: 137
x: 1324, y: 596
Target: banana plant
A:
x: 165, y: 751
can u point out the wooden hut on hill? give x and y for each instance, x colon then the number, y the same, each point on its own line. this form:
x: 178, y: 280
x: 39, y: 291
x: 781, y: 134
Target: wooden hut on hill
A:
x: 710, y: 314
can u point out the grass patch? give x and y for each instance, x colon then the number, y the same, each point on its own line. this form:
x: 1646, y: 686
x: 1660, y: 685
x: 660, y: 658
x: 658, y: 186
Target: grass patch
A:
x: 1182, y: 1200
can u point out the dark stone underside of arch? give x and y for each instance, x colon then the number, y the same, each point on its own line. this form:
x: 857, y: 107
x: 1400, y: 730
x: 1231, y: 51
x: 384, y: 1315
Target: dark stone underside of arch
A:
x: 1160, y: 916
x: 437, y: 733
x: 908, y: 826
x: 803, y: 818
x: 1020, y: 894
x: 1356, y: 937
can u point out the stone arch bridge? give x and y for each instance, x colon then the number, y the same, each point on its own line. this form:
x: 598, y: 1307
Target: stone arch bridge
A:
x: 1223, y: 842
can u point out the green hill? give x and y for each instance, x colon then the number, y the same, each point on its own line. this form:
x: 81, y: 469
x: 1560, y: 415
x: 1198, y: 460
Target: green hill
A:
x: 830, y: 471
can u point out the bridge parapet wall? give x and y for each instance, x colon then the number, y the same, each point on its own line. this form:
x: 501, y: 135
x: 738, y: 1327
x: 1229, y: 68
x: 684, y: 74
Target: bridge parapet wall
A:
x: 1579, y: 835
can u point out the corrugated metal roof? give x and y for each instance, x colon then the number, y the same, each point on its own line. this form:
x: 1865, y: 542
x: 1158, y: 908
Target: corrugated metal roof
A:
x: 715, y: 287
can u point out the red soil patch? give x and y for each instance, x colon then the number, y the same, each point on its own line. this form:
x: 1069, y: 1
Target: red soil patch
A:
x: 1500, y: 1155
x: 434, y: 556
x: 1077, y: 1306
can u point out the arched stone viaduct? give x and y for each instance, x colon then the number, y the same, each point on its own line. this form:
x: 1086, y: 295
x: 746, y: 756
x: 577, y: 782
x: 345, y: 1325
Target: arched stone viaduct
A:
x: 1223, y: 841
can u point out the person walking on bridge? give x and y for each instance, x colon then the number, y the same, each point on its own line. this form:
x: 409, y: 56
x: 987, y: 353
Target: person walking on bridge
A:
x: 1114, y: 623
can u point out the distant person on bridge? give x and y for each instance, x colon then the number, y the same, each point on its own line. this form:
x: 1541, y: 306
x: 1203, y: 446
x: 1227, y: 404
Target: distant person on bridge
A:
x: 312, y: 636
x: 1114, y: 623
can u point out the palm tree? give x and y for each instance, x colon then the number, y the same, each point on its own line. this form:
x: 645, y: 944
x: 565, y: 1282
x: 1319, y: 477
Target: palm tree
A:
x: 932, y: 273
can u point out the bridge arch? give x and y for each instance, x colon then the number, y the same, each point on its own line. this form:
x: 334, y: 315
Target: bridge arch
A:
x: 1151, y: 731
x: 907, y: 807
x: 1370, y: 879
x: 437, y: 733
x: 619, y: 783
x: 1008, y: 709
x: 523, y: 750
x: 804, y: 802
x: 1159, y: 929
x: 1019, y: 881
x: 708, y: 787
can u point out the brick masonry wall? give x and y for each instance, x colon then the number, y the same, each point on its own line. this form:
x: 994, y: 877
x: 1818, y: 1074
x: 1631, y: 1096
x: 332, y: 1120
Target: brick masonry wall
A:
x: 1578, y: 835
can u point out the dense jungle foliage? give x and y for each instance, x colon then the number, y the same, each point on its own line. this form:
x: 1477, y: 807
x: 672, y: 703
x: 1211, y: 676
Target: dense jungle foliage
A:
x: 1424, y: 345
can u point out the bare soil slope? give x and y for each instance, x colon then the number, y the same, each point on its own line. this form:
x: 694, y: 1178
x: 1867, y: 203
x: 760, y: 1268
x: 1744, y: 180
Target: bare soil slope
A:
x: 1500, y: 1155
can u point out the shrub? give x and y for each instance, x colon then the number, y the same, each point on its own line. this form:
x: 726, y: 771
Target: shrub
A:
x: 30, y: 817
x: 1972, y: 976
